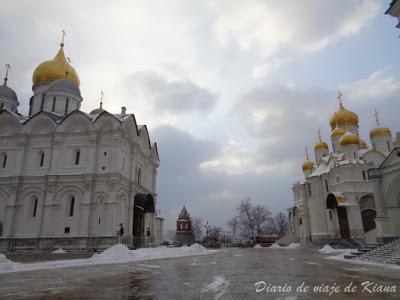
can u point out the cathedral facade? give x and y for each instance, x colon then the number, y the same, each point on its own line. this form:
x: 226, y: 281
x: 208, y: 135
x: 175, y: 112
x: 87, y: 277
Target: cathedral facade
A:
x: 352, y: 189
x: 70, y: 178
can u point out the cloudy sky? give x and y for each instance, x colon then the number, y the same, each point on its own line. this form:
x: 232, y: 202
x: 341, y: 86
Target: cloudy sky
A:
x: 231, y: 91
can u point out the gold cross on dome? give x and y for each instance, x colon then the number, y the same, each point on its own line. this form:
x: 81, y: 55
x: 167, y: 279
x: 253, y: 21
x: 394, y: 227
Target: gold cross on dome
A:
x: 378, y: 122
x: 63, y: 36
x: 339, y: 97
x: 8, y: 68
x: 306, y: 149
x: 319, y: 134
x: 101, y: 99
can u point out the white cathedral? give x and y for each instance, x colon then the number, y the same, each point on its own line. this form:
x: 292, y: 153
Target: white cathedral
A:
x: 70, y: 178
x: 351, y: 191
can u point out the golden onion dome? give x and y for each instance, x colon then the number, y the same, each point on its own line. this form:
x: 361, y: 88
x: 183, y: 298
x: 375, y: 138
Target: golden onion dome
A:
x: 349, y: 139
x: 343, y: 117
x: 55, y: 69
x: 363, y: 144
x: 380, y: 131
x: 308, y: 165
x: 321, y: 145
x: 337, y: 132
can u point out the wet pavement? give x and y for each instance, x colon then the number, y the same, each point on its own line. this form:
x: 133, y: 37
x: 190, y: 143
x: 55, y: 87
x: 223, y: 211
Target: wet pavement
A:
x: 224, y: 274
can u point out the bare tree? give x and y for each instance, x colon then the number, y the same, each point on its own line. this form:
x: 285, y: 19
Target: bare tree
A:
x: 246, y: 216
x: 234, y: 224
x: 260, y: 216
x: 277, y: 224
x: 281, y: 222
x: 215, y: 234
x: 197, y: 228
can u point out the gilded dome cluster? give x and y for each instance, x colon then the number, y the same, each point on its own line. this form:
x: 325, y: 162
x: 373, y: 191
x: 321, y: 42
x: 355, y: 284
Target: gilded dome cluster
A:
x: 55, y: 69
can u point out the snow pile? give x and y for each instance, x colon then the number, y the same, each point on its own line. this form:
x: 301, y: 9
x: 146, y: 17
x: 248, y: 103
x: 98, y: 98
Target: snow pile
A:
x: 257, y: 246
x: 115, y: 254
x: 6, y: 264
x: 327, y: 249
x: 293, y: 246
x: 59, y: 251
x: 290, y: 246
x: 119, y: 253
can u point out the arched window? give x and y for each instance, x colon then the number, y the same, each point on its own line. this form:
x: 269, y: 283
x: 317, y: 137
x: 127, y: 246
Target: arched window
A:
x: 66, y: 106
x: 42, y: 103
x: 53, y: 108
x: 71, y: 206
x: 139, y: 176
x: 34, y: 206
x: 41, y: 158
x: 4, y: 159
x: 77, y: 157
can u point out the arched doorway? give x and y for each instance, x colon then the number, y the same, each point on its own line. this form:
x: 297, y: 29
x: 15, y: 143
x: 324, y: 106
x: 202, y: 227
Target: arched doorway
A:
x: 143, y: 204
x: 368, y: 212
x: 333, y: 203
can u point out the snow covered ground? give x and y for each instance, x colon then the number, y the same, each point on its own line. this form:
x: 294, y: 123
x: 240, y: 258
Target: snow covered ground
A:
x: 115, y: 254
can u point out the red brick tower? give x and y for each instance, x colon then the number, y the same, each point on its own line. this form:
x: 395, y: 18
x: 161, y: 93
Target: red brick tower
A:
x: 184, y: 235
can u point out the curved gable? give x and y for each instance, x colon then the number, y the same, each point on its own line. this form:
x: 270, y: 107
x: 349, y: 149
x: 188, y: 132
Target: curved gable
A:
x: 129, y: 126
x: 106, y: 121
x: 40, y: 123
x: 144, y: 135
x: 9, y: 124
x: 76, y: 121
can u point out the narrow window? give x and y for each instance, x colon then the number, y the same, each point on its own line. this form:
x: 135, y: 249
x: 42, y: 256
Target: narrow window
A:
x: 99, y: 220
x: 41, y: 163
x: 53, y: 108
x: 42, y: 103
x: 140, y: 176
x: 388, y: 145
x: 326, y: 186
x: 1, y: 105
x: 77, y: 157
x: 364, y: 175
x: 71, y: 206
x: 34, y: 207
x: 4, y: 160
x: 66, y: 106
x: 301, y: 221
x: 354, y: 155
x: 374, y: 146
x: 330, y: 214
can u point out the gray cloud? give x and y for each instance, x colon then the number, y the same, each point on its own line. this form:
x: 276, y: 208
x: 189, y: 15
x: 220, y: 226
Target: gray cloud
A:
x: 214, y: 194
x: 170, y: 96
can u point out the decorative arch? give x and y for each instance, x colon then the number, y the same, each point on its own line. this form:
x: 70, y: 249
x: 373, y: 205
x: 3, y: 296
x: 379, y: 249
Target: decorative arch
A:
x: 130, y: 127
x: 41, y: 122
x: 106, y: 121
x: 393, y: 193
x: 368, y: 211
x: 331, y: 202
x: 76, y: 121
x: 70, y: 189
x: 9, y: 124
x: 144, y: 134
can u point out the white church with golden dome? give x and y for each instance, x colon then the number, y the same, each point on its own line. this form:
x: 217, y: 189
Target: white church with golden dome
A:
x: 69, y: 178
x: 351, y: 190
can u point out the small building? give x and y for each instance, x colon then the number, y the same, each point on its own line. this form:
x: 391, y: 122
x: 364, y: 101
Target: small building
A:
x: 184, y: 234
